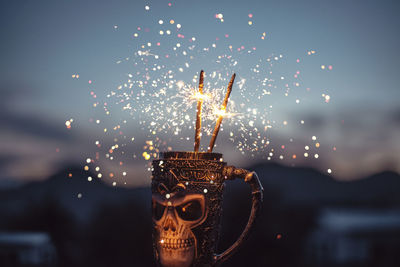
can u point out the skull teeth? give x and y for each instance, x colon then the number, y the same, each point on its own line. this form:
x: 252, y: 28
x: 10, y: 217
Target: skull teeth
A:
x: 175, y: 243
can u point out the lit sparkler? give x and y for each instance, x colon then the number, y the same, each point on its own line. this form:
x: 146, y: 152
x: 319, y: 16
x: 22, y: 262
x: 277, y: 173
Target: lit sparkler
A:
x: 221, y: 116
x: 198, y: 118
x: 159, y: 97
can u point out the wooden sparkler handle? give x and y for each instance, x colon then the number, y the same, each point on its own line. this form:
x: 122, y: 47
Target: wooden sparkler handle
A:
x: 252, y: 180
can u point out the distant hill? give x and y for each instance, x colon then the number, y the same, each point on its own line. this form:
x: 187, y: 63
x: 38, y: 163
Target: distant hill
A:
x: 295, y: 186
x: 65, y: 189
x: 111, y: 226
x: 309, y: 187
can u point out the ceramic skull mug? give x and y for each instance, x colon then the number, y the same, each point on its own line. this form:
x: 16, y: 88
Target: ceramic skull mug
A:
x: 187, y: 190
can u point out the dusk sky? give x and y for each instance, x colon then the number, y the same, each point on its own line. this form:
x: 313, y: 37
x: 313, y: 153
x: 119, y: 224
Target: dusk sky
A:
x: 317, y: 84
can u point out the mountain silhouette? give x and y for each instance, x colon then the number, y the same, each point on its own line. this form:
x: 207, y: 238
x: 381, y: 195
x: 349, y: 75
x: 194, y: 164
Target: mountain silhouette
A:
x: 94, y: 224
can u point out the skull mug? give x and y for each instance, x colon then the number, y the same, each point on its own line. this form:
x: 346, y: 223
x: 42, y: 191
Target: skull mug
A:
x: 187, y: 192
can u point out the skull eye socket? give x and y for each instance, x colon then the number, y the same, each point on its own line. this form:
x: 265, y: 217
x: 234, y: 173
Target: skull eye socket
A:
x: 158, y: 210
x: 190, y: 211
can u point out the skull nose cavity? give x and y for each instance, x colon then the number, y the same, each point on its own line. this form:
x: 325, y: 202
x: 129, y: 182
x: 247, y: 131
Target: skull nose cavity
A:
x: 169, y: 225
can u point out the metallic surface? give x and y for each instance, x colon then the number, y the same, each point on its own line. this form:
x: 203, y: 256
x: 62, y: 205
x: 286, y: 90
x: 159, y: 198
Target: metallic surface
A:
x: 181, y: 178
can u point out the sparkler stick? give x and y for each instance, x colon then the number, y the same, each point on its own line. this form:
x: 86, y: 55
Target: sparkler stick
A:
x: 221, y: 116
x: 197, y: 136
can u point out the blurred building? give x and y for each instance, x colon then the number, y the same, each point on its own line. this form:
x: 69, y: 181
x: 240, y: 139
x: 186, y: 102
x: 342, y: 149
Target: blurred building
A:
x: 360, y: 237
x: 26, y: 249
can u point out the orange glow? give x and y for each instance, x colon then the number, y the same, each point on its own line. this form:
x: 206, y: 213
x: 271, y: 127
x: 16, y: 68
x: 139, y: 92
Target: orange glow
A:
x: 220, y: 112
x: 200, y: 96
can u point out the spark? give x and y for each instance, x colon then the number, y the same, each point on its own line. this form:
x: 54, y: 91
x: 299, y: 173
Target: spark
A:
x: 157, y: 92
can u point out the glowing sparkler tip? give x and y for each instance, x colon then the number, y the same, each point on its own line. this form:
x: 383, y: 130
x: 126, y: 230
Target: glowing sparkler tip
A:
x: 220, y: 112
x: 200, y: 96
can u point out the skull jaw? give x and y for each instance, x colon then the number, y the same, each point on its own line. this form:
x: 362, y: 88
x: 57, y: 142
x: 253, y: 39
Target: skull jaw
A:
x: 176, y: 257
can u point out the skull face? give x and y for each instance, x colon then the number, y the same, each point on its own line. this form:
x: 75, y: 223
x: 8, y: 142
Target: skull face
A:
x: 174, y: 216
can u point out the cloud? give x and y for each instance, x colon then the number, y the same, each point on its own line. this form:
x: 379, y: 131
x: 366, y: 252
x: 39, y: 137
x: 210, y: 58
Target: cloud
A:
x: 32, y: 125
x: 366, y: 139
x: 28, y: 140
x: 10, y: 91
x: 395, y: 117
x: 29, y: 123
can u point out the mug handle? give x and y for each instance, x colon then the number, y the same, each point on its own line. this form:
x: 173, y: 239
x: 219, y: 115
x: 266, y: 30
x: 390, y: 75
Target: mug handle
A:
x: 251, y: 179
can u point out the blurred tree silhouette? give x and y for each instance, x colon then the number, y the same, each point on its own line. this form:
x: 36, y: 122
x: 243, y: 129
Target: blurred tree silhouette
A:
x: 49, y: 216
x: 120, y: 235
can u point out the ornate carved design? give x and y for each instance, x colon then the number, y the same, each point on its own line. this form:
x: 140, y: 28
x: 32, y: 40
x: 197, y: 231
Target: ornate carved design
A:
x: 192, y: 171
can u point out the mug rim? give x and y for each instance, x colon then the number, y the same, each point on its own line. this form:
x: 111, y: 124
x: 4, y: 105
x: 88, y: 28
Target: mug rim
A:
x: 177, y: 155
